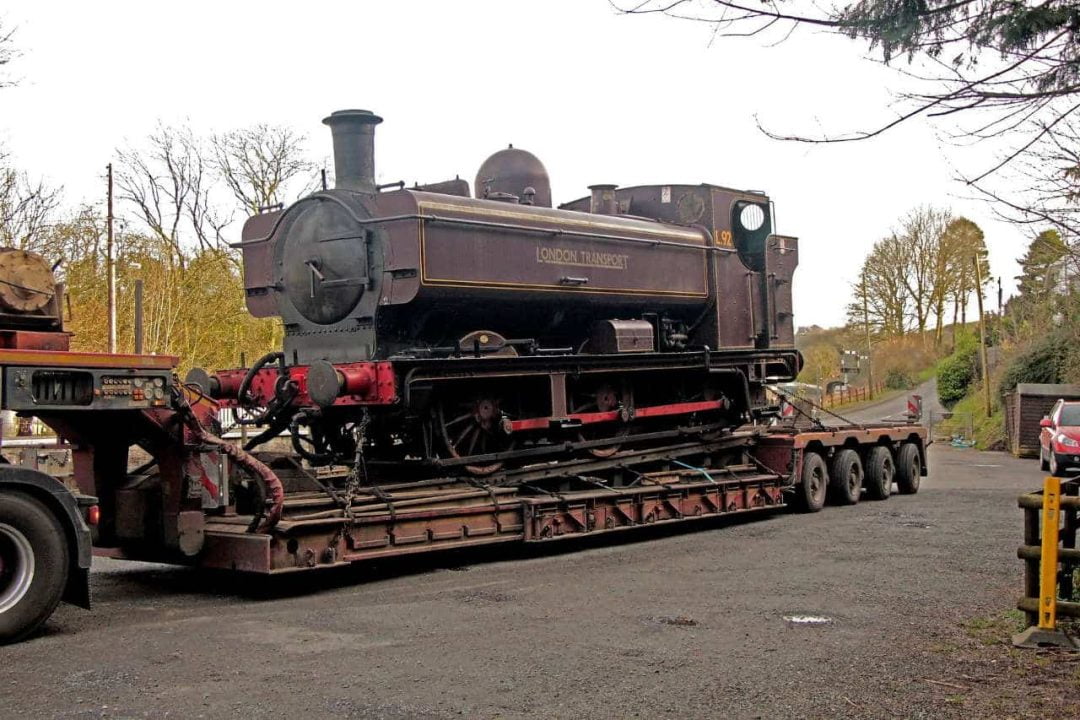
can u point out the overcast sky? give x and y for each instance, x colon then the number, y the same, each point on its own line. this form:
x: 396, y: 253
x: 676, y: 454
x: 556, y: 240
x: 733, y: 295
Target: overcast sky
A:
x: 597, y: 96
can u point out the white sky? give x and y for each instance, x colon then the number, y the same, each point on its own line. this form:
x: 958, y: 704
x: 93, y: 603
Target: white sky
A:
x: 597, y: 96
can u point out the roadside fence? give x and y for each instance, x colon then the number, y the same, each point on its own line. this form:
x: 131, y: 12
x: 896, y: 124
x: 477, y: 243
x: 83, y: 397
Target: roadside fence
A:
x: 946, y: 426
x: 1051, y: 559
x: 851, y: 395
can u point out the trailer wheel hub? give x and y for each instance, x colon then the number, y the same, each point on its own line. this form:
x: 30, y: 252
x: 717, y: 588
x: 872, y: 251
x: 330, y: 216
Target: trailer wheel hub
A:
x: 16, y: 566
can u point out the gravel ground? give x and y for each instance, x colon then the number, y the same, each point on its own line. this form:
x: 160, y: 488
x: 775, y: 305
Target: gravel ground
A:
x: 916, y: 596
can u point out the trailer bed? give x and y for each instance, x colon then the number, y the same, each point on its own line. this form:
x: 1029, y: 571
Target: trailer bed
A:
x: 402, y: 519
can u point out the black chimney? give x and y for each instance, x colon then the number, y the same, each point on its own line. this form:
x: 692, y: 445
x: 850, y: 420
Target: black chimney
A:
x: 354, y: 149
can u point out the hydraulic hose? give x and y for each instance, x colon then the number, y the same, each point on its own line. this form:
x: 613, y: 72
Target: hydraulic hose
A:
x: 275, y: 491
x: 243, y: 394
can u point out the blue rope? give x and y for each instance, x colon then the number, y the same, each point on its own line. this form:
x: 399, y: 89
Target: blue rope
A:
x: 696, y: 469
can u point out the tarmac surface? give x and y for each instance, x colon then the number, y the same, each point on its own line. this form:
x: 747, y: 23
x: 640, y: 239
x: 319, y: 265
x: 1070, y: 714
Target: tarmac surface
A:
x: 900, y: 608
x: 894, y: 407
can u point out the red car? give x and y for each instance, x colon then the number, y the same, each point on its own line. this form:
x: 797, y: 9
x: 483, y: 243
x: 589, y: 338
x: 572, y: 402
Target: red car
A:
x: 1059, y: 440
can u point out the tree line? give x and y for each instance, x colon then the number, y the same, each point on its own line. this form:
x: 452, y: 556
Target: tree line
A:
x: 920, y: 275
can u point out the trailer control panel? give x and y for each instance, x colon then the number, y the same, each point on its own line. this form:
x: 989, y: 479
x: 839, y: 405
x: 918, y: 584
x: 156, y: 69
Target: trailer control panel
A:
x: 40, y: 388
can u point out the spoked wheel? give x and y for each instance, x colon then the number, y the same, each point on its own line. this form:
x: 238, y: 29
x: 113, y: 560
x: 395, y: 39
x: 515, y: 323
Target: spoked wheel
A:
x: 604, y: 398
x: 474, y: 428
x: 708, y: 393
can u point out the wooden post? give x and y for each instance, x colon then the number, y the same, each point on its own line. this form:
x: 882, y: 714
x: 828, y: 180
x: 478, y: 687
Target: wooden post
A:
x: 110, y: 263
x: 869, y: 349
x: 1041, y: 573
x: 1031, y: 567
x: 982, y: 336
x: 139, y: 317
x: 1068, y: 535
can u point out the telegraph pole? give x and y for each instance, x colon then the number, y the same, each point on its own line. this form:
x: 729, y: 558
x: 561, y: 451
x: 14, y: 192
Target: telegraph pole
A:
x: 869, y: 351
x: 982, y: 336
x: 110, y: 264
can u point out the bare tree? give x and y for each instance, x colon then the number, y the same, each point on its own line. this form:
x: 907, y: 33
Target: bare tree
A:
x: 962, y: 241
x: 910, y: 276
x: 927, y: 276
x: 7, y: 53
x: 1044, y: 185
x: 263, y: 165
x: 169, y: 186
x: 26, y: 207
x: 881, y: 294
x: 1008, y: 72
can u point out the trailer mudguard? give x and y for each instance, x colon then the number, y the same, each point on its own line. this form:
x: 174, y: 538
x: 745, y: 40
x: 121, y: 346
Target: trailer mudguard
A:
x: 68, y: 510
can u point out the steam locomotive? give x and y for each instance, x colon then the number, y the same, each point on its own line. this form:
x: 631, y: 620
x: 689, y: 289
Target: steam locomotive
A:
x: 428, y: 326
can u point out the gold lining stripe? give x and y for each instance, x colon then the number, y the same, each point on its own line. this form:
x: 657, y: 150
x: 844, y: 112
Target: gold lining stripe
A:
x: 562, y: 288
x: 666, y: 232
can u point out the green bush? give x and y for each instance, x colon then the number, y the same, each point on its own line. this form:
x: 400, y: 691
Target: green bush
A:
x: 954, y: 375
x: 1045, y: 362
x: 956, y: 372
x: 897, y: 379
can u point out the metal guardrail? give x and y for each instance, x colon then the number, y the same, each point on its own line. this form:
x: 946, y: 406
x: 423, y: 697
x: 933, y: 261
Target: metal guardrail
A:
x: 1051, y: 521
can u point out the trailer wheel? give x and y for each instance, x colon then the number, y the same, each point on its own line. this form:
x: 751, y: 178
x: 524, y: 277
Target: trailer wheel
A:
x: 33, y: 565
x: 810, y: 492
x: 880, y: 472
x: 846, y: 477
x: 908, y: 469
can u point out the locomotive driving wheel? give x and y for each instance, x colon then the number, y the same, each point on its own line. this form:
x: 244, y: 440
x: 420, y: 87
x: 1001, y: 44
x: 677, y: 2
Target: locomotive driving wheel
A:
x: 474, y: 427
x: 602, y: 398
x: 705, y: 393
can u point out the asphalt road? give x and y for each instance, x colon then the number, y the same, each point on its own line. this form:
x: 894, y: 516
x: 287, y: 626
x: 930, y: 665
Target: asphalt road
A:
x: 894, y: 407
x: 676, y: 624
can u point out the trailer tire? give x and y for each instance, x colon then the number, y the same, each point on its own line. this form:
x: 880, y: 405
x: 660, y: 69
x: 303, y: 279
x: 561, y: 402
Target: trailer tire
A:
x: 880, y: 473
x: 813, y: 484
x: 846, y: 478
x: 33, y: 565
x: 908, y: 468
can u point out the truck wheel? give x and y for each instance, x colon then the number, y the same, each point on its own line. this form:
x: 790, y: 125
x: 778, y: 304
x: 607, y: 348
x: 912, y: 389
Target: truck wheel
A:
x: 908, y: 469
x: 880, y: 471
x: 810, y: 492
x: 33, y: 565
x: 846, y: 477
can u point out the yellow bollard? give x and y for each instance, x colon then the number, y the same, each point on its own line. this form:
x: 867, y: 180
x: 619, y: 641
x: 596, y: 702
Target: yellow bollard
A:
x: 1048, y: 563
x: 1046, y: 633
